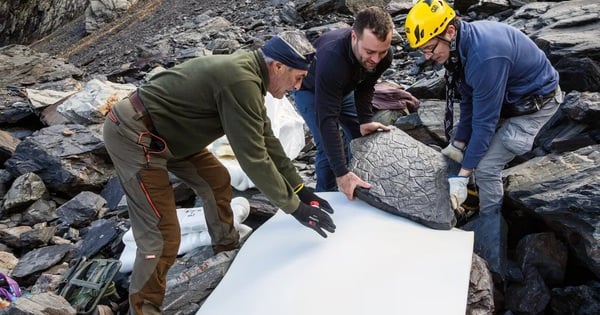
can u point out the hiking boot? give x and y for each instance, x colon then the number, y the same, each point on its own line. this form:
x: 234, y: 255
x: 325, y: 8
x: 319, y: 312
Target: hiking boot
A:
x: 224, y: 248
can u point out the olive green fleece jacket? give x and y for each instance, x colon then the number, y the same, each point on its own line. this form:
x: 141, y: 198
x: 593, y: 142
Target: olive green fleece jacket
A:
x: 200, y: 100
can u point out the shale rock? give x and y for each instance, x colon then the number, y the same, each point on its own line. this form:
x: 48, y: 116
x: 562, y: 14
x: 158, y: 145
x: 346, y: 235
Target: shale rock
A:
x: 69, y: 158
x: 562, y: 189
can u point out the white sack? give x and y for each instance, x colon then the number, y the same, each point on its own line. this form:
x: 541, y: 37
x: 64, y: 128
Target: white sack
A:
x: 194, y: 231
x: 287, y: 125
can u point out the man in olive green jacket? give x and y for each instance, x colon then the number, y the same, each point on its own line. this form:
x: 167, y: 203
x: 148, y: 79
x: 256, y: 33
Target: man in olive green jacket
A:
x: 166, y: 125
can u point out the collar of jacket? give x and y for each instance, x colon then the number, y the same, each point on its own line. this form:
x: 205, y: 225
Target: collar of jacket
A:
x: 264, y: 72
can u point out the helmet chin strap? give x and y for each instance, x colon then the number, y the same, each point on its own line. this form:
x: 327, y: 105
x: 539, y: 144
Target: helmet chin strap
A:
x: 453, y: 63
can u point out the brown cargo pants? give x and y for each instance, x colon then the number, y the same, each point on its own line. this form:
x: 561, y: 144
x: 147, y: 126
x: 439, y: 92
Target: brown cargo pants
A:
x: 142, y: 161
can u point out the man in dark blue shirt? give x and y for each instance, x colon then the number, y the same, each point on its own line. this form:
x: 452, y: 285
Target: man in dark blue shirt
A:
x: 338, y: 91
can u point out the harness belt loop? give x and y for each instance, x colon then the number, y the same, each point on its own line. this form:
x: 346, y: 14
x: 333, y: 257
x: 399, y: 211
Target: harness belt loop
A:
x: 141, y: 110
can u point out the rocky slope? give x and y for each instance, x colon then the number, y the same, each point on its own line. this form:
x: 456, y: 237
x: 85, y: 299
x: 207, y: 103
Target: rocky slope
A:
x: 107, y: 50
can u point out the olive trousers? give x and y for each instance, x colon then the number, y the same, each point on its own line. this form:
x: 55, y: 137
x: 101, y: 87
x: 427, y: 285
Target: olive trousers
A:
x: 142, y: 161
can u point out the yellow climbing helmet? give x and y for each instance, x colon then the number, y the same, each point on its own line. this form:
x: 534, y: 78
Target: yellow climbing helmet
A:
x: 426, y: 20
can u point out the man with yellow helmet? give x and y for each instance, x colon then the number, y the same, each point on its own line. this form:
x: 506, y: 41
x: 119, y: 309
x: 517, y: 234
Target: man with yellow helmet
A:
x: 499, y: 73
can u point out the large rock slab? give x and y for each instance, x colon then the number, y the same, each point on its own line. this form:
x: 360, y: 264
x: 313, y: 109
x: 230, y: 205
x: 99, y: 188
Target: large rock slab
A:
x: 99, y: 13
x: 8, y: 144
x: 40, y: 259
x: 40, y: 304
x: 193, y: 277
x: 25, y: 190
x: 408, y: 178
x: 26, y: 21
x: 89, y: 105
x: 562, y: 189
x: 567, y: 31
x: 20, y: 66
x: 69, y: 158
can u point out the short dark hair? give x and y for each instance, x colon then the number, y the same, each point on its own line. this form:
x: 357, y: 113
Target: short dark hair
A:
x: 454, y: 22
x: 375, y: 19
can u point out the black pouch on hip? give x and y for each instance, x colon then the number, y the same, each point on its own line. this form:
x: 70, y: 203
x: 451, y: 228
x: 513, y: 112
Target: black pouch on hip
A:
x: 525, y: 106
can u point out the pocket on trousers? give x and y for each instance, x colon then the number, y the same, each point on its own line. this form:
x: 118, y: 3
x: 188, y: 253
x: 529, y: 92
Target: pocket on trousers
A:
x: 518, y: 136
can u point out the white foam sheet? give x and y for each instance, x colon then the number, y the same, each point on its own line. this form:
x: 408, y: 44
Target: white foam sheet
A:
x: 375, y: 263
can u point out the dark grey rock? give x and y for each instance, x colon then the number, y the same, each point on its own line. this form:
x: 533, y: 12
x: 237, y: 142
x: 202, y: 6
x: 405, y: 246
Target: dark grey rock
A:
x: 40, y: 259
x: 112, y: 193
x: 408, y: 178
x: 314, y: 32
x: 529, y: 297
x: 46, y: 303
x: 183, y: 193
x: 312, y: 8
x: 68, y: 158
x: 290, y: 15
x: 14, y: 110
x: 81, y: 210
x: 431, y: 113
x: 487, y: 7
x: 27, y: 66
x: 25, y: 190
x: 40, y: 211
x: 582, y: 106
x: 567, y: 32
x: 11, y: 236
x: 5, y: 180
x: 562, y: 189
x: 395, y: 7
x: 546, y: 253
x: 388, y: 116
x: 96, y: 237
x: 8, y: 144
x: 581, y: 300
x: 354, y: 6
x: 572, y: 127
x: 578, y: 73
x: 36, y: 238
x: 432, y: 86
x: 196, y: 282
x: 24, y: 22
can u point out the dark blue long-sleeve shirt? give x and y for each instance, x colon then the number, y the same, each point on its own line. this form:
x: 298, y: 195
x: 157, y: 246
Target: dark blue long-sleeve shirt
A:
x: 501, y: 66
x: 335, y: 73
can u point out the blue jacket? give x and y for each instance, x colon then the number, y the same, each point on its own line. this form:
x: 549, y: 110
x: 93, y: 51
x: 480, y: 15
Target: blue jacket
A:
x: 335, y: 73
x: 501, y: 66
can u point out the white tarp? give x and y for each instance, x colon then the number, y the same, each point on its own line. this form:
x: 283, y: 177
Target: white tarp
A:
x: 288, y: 127
x: 375, y: 263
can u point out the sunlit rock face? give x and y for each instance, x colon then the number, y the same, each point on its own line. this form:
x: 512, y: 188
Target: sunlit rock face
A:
x: 23, y: 22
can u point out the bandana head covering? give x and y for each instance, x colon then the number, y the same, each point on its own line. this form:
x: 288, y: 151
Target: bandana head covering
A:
x: 280, y: 50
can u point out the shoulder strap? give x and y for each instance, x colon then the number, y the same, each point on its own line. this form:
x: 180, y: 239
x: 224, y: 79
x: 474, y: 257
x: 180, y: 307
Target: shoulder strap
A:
x: 454, y: 73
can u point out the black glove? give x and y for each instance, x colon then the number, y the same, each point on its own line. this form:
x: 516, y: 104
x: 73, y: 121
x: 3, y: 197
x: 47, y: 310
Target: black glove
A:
x: 307, y: 195
x: 314, y: 218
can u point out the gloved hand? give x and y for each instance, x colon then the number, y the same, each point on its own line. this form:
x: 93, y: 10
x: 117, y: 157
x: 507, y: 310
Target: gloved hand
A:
x: 307, y: 195
x: 453, y: 152
x: 458, y: 190
x: 315, y: 218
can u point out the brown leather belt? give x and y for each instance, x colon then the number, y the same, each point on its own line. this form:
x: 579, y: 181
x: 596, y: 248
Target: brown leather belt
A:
x: 140, y: 109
